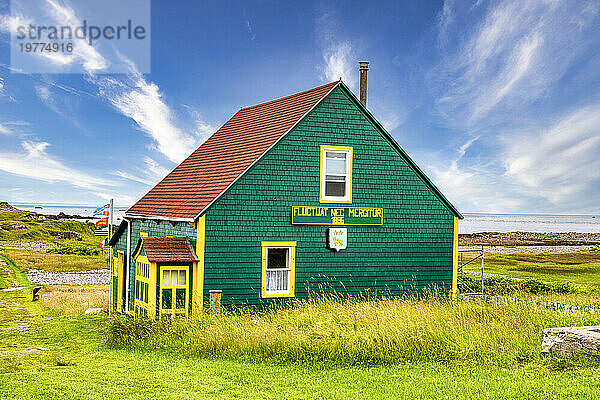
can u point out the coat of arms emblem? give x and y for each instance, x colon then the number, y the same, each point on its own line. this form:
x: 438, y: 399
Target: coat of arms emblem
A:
x: 338, y: 238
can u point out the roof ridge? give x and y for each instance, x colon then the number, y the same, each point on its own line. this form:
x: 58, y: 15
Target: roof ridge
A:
x: 291, y: 95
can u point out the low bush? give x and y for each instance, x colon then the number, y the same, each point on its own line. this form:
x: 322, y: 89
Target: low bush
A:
x: 500, y: 285
x: 352, y: 332
x: 81, y: 249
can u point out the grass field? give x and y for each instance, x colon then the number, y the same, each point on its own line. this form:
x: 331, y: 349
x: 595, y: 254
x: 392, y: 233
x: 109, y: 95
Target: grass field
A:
x: 582, y: 269
x: 56, y: 262
x: 72, y: 362
x: 429, y: 348
x: 27, y: 226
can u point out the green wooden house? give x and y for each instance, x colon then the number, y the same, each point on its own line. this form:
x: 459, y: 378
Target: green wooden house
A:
x: 300, y: 195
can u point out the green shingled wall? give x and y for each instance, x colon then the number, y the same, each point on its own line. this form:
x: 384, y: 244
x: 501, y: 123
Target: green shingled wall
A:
x: 153, y: 228
x: 412, y: 250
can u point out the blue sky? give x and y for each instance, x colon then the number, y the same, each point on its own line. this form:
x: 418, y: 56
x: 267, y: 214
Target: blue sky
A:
x: 497, y: 101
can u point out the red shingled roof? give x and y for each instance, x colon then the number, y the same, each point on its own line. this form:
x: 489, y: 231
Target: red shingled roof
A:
x: 168, y: 249
x: 209, y: 170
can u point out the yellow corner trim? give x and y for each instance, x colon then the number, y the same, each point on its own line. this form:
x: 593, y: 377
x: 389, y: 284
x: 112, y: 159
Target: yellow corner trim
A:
x: 455, y: 259
x: 144, y: 234
x: 198, y: 284
x: 322, y: 175
x: 292, y: 247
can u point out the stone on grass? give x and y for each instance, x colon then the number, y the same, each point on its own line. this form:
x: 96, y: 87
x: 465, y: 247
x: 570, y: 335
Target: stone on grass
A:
x: 95, y: 310
x: 568, y: 341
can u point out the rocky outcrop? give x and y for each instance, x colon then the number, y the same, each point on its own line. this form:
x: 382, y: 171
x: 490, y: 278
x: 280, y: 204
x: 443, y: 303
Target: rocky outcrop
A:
x: 4, y: 206
x: 19, y: 227
x: 65, y: 235
x: 568, y: 341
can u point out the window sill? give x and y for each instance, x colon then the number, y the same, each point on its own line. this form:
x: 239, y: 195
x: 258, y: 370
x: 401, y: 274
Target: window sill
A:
x: 271, y: 295
x: 341, y: 201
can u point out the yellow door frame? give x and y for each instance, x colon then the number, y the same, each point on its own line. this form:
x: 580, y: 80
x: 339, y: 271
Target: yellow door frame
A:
x: 120, y: 277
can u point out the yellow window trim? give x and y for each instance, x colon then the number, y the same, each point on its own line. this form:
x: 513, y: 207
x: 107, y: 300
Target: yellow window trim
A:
x: 455, y: 259
x: 175, y: 268
x: 322, y: 198
x: 174, y: 311
x: 292, y: 247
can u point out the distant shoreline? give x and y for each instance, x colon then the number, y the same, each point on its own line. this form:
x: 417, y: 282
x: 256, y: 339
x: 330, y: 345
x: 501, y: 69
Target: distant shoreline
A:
x: 473, y: 223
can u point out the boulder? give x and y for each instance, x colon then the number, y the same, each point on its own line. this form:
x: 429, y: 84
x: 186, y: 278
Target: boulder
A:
x: 95, y: 310
x: 568, y: 341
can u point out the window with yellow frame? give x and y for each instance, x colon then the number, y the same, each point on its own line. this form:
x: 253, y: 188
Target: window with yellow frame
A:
x: 336, y: 174
x: 174, y: 293
x: 278, y: 269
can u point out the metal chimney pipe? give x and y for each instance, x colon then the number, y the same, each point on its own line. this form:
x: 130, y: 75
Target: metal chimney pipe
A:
x: 364, y: 67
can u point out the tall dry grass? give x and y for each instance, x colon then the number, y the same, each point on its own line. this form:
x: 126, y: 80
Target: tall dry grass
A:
x: 347, y: 332
x: 73, y: 300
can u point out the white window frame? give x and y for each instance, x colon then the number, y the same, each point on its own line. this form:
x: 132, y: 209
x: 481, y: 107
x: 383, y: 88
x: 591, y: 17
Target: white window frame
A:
x: 347, y: 198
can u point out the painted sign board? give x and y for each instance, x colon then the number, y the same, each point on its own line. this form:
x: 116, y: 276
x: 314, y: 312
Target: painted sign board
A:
x: 338, y: 238
x: 311, y: 215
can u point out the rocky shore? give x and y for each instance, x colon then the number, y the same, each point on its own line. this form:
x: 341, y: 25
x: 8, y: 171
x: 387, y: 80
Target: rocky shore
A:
x: 529, y: 239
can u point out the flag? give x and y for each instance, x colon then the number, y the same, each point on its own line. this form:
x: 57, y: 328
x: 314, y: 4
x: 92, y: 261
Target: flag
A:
x: 103, y: 243
x: 102, y: 210
x: 102, y: 222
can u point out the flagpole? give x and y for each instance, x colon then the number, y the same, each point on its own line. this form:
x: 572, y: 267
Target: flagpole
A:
x: 110, y: 258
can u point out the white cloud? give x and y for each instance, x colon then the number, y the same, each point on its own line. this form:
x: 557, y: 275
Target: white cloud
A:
x: 559, y: 163
x: 91, y: 60
x: 337, y: 63
x: 445, y: 19
x: 43, y: 92
x: 476, y: 189
x: 10, y: 127
x: 62, y: 14
x: 143, y: 102
x: 337, y: 52
x: 511, y: 58
x: 133, y: 96
x: 5, y: 130
x: 150, y: 175
x: 36, y: 163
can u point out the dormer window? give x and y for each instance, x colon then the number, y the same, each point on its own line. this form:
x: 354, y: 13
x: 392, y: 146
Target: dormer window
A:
x: 336, y: 174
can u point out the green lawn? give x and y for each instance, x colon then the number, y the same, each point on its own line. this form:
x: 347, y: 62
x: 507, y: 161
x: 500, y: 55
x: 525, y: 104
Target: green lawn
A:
x: 582, y: 269
x: 73, y: 363
x: 67, y: 357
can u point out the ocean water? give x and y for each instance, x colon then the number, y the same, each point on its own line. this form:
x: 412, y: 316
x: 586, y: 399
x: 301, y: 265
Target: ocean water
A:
x: 473, y: 222
x: 84, y: 211
x: 529, y: 223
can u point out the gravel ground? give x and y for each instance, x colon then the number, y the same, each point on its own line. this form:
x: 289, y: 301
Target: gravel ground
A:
x: 530, y: 249
x: 95, y: 277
